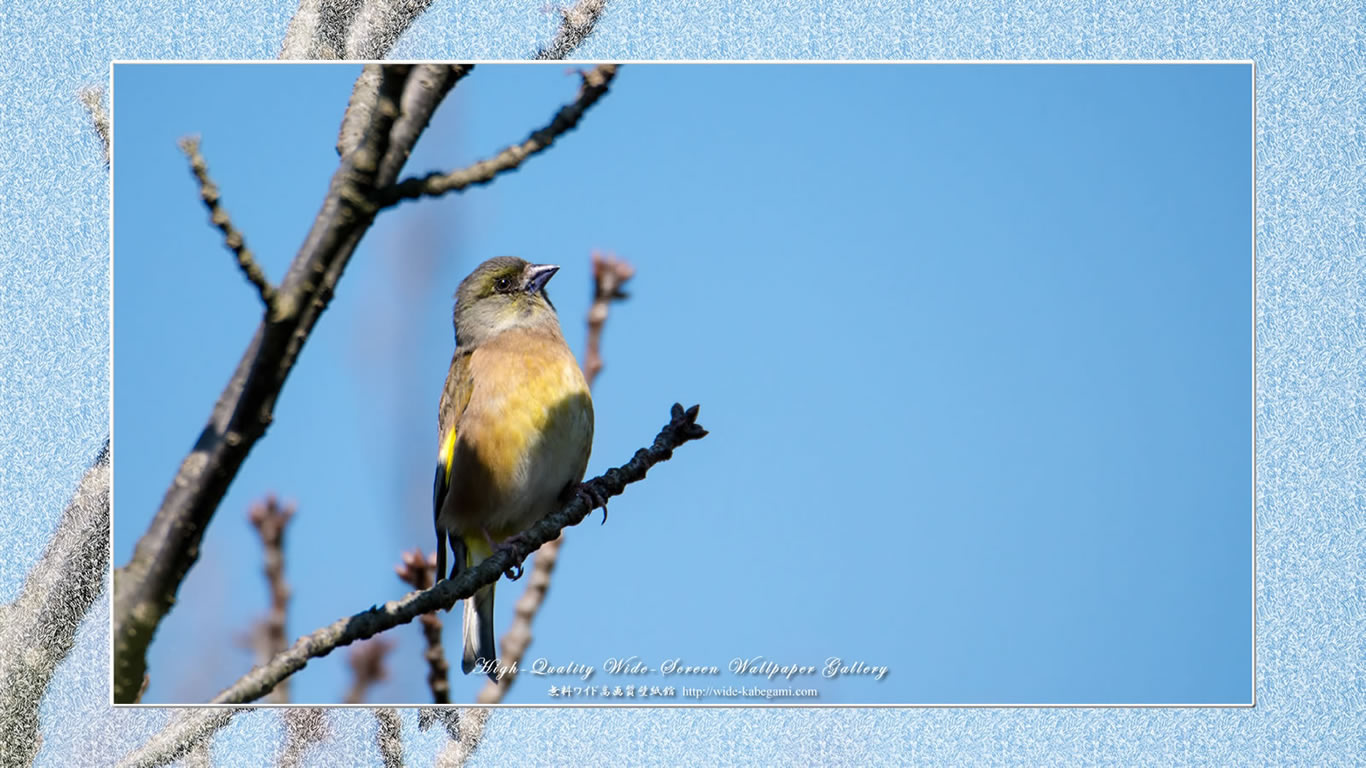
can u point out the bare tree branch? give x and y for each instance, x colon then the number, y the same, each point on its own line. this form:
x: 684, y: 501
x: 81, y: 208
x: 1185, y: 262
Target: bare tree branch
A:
x: 360, y: 110
x: 682, y: 427
x: 145, y: 588
x: 389, y: 736
x: 609, y: 275
x: 232, y: 237
x: 594, y: 85
x: 38, y: 629
x: 419, y: 572
x: 427, y: 86
x: 92, y: 97
x: 195, y: 725
x: 187, y: 729
x: 576, y: 24
x: 319, y: 29
x: 379, y: 25
x: 270, y: 519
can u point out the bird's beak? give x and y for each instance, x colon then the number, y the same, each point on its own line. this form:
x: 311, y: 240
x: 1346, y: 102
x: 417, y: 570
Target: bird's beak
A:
x: 537, y: 275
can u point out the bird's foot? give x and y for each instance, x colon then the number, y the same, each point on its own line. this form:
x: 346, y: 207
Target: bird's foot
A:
x: 511, y: 546
x: 594, y: 497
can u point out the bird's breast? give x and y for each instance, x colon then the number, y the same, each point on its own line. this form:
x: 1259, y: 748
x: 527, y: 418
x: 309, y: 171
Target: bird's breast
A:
x: 524, y: 435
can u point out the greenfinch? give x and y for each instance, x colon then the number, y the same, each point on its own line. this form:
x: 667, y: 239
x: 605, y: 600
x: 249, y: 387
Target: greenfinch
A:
x: 515, y: 425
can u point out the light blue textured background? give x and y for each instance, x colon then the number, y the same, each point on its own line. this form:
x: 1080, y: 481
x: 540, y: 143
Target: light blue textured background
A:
x: 1310, y: 407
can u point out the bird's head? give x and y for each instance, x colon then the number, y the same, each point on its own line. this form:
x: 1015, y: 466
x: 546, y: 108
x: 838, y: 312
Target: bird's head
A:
x: 502, y: 294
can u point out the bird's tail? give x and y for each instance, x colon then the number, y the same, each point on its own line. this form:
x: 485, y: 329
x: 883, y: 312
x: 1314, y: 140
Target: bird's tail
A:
x: 478, y: 632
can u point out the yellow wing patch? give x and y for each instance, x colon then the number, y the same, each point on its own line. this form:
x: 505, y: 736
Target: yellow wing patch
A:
x: 446, y: 457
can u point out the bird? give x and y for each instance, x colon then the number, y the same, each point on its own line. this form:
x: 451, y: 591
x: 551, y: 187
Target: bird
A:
x: 515, y: 426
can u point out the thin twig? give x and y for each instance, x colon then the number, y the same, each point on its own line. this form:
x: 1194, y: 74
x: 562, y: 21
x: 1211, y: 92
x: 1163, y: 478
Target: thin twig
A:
x: 367, y: 668
x: 419, y: 572
x: 92, y: 97
x: 682, y: 427
x: 270, y: 519
x: 38, y: 629
x: 609, y: 275
x: 576, y: 24
x: 232, y: 237
x: 594, y: 85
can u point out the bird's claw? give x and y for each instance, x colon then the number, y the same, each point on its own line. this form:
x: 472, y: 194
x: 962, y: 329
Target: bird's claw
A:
x: 515, y: 570
x: 594, y: 497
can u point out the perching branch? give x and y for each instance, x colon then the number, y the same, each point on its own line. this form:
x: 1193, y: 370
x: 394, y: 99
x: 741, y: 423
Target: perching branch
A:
x: 576, y: 24
x: 38, y: 629
x: 232, y: 237
x: 681, y: 428
x: 609, y: 275
x: 594, y: 85
x: 419, y: 572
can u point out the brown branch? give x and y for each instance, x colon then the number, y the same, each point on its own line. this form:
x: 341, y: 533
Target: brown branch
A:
x: 92, y: 98
x: 609, y: 275
x: 269, y: 519
x: 594, y: 84
x: 682, y: 427
x: 367, y: 668
x: 576, y: 24
x: 232, y: 237
x: 38, y: 629
x: 146, y: 587
x: 389, y: 736
x: 419, y: 572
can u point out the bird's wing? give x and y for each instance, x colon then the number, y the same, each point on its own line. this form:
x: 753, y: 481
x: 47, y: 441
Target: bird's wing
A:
x: 454, y: 398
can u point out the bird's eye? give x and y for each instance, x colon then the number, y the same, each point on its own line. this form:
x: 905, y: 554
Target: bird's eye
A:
x: 503, y: 284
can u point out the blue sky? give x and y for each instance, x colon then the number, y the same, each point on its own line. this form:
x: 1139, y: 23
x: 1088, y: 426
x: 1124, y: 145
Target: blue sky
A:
x: 973, y: 343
